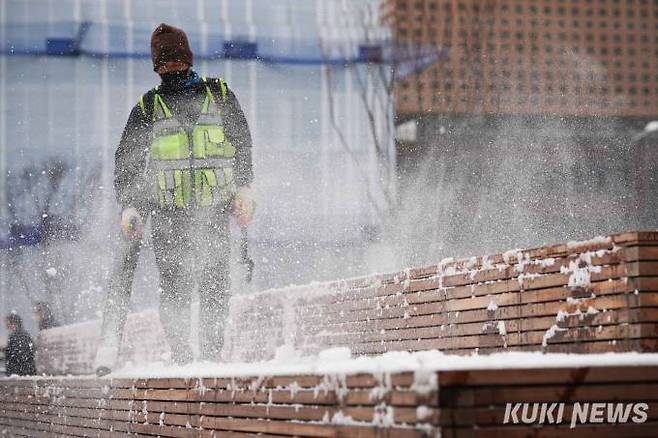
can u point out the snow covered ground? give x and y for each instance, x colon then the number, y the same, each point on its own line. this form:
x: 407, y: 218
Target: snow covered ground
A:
x: 339, y: 361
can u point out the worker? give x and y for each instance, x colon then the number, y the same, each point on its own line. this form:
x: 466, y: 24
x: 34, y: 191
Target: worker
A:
x: 19, y: 353
x: 184, y: 159
x: 44, y: 315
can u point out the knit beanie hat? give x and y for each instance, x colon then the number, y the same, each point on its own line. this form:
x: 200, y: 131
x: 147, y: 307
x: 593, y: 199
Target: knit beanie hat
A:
x: 168, y: 43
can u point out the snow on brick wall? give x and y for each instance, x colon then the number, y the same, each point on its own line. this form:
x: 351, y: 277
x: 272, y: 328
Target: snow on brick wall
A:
x: 577, y: 297
x: 71, y: 349
x: 275, y: 319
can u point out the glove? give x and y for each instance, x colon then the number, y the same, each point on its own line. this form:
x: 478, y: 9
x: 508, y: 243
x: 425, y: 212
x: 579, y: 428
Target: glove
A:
x: 243, y: 207
x: 132, y: 224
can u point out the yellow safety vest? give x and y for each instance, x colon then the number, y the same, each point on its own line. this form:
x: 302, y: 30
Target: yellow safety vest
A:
x: 190, y: 167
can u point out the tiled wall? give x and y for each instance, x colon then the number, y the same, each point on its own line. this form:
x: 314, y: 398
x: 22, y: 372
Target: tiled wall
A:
x: 594, y: 57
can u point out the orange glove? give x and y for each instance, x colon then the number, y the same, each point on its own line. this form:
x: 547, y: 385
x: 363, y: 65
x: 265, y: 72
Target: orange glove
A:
x: 132, y: 224
x: 243, y: 207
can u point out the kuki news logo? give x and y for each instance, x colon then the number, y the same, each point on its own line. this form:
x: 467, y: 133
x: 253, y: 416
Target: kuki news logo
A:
x: 575, y: 413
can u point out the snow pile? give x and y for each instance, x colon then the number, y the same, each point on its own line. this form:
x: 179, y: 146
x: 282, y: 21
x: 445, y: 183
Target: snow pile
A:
x: 502, y: 330
x: 551, y: 332
x: 581, y: 269
x: 652, y: 126
x: 423, y: 412
x: 598, y: 240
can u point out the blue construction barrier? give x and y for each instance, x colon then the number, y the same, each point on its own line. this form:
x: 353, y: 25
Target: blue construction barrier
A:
x: 115, y: 40
x: 120, y: 41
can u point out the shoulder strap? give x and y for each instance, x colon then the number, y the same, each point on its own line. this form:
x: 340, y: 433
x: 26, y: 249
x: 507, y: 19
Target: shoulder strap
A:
x: 217, y: 86
x: 146, y: 103
x: 223, y: 88
x: 213, y: 102
x: 160, y: 109
x: 141, y: 105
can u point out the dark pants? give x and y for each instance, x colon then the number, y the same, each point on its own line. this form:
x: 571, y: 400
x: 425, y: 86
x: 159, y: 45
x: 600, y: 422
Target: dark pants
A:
x: 191, y: 248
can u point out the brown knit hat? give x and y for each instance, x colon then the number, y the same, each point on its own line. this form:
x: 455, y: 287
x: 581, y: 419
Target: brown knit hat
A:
x: 168, y: 43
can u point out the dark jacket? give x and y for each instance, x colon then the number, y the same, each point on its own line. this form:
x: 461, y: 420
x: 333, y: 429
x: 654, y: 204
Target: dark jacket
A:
x: 19, y: 354
x: 48, y: 322
x: 130, y: 158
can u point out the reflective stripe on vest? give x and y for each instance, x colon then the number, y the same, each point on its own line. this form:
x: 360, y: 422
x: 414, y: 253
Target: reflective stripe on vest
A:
x: 195, y: 163
x: 192, y: 167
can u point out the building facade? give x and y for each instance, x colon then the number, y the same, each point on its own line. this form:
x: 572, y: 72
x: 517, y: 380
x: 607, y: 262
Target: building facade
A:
x: 566, y: 57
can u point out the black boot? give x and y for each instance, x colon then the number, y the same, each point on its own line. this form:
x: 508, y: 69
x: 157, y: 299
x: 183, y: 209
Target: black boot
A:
x: 102, y: 371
